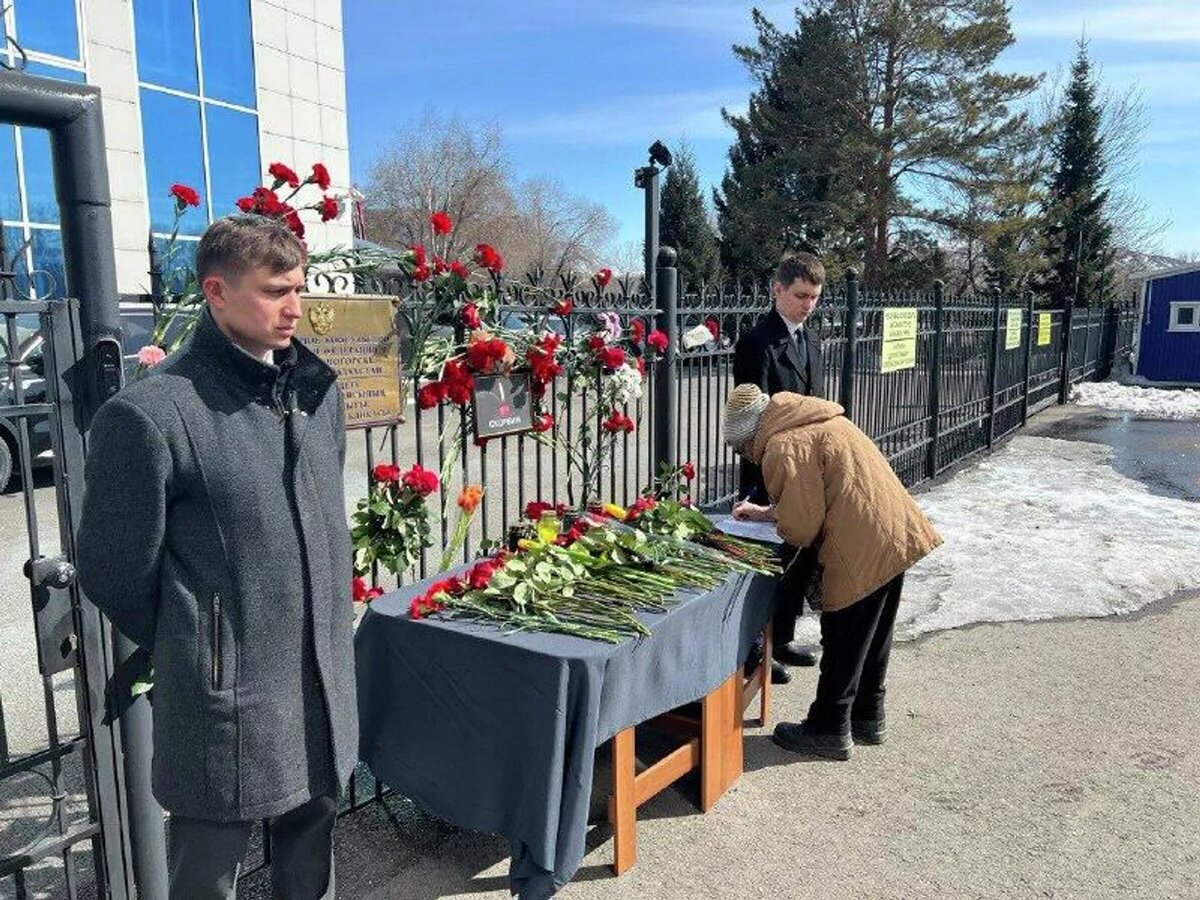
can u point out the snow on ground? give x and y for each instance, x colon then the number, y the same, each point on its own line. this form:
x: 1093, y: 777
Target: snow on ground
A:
x: 1044, y: 529
x: 1143, y: 402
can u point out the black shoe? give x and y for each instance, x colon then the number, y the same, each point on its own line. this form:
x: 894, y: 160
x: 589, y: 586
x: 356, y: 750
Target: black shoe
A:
x: 798, y: 739
x: 779, y: 673
x: 793, y: 654
x: 869, y: 731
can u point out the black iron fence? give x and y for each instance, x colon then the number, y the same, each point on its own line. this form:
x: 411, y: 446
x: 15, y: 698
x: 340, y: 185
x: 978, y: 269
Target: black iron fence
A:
x: 973, y: 382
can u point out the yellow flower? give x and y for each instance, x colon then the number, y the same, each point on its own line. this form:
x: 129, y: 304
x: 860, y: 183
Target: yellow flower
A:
x: 615, y: 511
x: 527, y: 544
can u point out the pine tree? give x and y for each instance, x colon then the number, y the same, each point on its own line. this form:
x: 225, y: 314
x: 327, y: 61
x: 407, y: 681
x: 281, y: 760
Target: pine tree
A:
x: 1078, y: 234
x: 793, y: 169
x: 685, y: 224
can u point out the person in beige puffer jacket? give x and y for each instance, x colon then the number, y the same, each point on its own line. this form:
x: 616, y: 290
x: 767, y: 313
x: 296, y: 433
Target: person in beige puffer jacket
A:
x: 831, y: 488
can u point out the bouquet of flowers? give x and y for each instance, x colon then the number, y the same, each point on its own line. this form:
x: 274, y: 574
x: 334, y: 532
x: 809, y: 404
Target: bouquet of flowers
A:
x: 391, y: 524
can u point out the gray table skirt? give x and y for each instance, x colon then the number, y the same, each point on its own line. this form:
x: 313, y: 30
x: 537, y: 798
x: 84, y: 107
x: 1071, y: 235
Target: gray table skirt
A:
x: 497, y: 732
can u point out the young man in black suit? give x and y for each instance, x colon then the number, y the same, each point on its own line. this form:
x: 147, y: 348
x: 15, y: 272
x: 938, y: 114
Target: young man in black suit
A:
x: 781, y: 354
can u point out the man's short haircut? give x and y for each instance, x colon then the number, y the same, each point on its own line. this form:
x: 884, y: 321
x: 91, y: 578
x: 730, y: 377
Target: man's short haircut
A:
x: 800, y: 265
x: 232, y: 246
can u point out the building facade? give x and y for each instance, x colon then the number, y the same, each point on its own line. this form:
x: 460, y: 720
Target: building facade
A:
x: 206, y: 93
x: 1167, y: 336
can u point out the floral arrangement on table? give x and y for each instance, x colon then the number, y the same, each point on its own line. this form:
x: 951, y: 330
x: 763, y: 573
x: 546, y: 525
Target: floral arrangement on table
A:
x: 588, y: 574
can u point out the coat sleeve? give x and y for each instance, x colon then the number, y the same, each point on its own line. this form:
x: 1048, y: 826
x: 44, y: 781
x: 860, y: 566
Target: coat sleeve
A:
x: 798, y: 490
x: 119, y: 544
x: 750, y: 362
x: 339, y: 425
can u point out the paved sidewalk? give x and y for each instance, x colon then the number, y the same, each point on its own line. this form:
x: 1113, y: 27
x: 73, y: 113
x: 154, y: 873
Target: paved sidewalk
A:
x: 1047, y: 760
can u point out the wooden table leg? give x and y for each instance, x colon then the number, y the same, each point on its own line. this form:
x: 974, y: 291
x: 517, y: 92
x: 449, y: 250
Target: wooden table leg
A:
x: 624, y: 807
x: 732, y: 751
x: 764, y: 675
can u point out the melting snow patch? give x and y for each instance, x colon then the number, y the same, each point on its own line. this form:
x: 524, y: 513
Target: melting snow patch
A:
x: 1044, y: 529
x: 1143, y: 402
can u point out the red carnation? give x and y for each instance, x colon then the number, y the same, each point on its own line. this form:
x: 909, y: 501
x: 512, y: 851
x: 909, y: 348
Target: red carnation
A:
x: 431, y: 394
x: 481, y: 574
x: 486, y: 256
x: 544, y: 423
x: 418, y: 252
x: 596, y: 342
x: 603, y: 277
x: 713, y: 326
x: 460, y: 269
x: 421, y: 480
x: 612, y: 357
x: 293, y: 222
x: 658, y: 340
x: 458, y: 381
x: 421, y: 273
x: 689, y: 471
x: 245, y: 204
x: 641, y: 365
x: 470, y: 316
x: 637, y: 331
x: 564, y: 306
x: 363, y: 594
x: 320, y: 176
x: 618, y: 421
x: 184, y: 195
x: 386, y: 474
x: 441, y: 223
x: 535, y: 508
x: 483, y: 356
x: 329, y: 209
x: 282, y: 173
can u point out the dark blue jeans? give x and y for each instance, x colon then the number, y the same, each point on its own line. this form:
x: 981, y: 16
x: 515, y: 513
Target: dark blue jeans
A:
x: 855, y: 645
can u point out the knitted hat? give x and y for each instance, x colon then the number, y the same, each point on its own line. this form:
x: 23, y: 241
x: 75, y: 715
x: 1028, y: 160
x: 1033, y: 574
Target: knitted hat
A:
x: 743, y: 410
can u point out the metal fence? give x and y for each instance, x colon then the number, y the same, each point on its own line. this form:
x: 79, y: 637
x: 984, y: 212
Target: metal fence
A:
x: 966, y: 391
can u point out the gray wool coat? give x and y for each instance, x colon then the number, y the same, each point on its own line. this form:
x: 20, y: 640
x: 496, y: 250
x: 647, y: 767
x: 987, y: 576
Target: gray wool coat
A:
x: 214, y: 533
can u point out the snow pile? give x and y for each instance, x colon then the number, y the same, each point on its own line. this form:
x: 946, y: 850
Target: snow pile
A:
x: 1142, y: 402
x: 1044, y: 529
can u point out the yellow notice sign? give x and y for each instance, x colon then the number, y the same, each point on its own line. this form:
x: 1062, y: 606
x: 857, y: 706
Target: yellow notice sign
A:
x: 1044, y: 323
x: 899, y: 339
x: 1012, y: 329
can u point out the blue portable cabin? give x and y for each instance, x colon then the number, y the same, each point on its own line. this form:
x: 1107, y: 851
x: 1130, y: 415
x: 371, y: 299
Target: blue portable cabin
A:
x: 1167, y: 338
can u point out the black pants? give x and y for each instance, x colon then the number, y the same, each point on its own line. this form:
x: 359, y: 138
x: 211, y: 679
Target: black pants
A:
x: 206, y: 857
x: 789, y: 594
x: 855, y: 645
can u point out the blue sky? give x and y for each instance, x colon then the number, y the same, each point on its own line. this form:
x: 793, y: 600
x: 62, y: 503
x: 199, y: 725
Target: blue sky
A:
x: 580, y: 90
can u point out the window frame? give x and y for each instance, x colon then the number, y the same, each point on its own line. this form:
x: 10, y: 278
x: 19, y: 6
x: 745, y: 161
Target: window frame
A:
x: 203, y: 100
x: 1175, y: 326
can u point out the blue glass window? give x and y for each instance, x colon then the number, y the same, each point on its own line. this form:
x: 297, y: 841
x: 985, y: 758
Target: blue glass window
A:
x: 227, y: 51
x: 174, y: 155
x: 175, y: 264
x: 48, y: 26
x: 10, y: 201
x: 232, y: 156
x: 49, y: 267
x: 14, y: 255
x: 165, y: 34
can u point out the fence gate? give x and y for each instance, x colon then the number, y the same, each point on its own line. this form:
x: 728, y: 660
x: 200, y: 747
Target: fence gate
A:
x: 62, y: 831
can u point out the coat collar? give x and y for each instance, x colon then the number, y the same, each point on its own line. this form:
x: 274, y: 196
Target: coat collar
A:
x: 297, y: 368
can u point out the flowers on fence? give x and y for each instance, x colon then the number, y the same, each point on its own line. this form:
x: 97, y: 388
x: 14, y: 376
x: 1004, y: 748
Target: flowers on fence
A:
x: 390, y: 526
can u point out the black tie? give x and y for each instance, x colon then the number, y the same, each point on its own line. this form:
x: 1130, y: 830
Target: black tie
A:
x: 801, y: 352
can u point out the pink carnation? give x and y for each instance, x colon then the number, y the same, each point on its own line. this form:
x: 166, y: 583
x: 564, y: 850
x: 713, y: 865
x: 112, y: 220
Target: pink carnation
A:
x: 151, y: 355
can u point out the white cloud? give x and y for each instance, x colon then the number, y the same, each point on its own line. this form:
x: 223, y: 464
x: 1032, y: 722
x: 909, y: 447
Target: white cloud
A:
x: 1153, y: 21
x: 693, y: 114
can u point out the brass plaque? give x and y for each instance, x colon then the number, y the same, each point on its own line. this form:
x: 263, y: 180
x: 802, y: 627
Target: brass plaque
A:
x: 356, y: 335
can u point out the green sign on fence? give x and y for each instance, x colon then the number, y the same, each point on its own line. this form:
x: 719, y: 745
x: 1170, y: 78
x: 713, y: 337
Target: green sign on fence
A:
x: 899, y: 340
x: 1012, y: 329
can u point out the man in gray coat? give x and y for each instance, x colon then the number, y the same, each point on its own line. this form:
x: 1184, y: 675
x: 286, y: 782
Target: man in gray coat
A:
x: 214, y: 533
